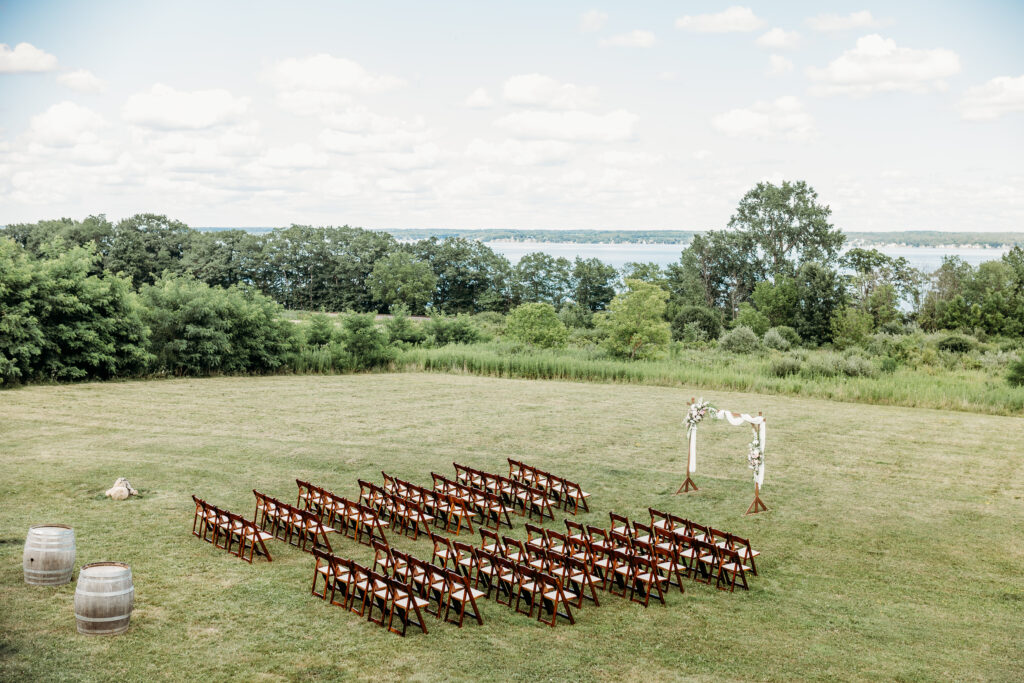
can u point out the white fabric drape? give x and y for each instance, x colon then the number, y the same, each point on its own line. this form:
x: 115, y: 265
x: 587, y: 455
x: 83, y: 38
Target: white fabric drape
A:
x: 761, y: 432
x: 692, y: 465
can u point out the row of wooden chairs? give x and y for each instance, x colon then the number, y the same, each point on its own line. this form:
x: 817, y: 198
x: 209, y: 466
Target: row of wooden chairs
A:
x: 520, y: 496
x: 567, y: 493
x: 295, y: 526
x: 723, y: 539
x: 351, y: 518
x: 228, y: 531
x: 405, y: 516
x: 365, y: 592
x: 447, y: 510
x: 490, y: 508
x: 441, y: 587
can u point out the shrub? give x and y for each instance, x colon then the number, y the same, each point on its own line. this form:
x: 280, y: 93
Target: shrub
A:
x: 956, y: 343
x: 889, y: 365
x: 822, y: 365
x: 400, y: 329
x: 892, y: 327
x: 444, y: 330
x: 856, y: 366
x: 748, y: 316
x: 320, y: 330
x: 740, y: 340
x: 708, y: 320
x: 789, y: 334
x: 574, y: 315
x: 694, y: 333
x: 634, y: 325
x: 1015, y: 376
x: 365, y: 344
x: 882, y: 345
x: 851, y: 326
x: 773, y: 339
x: 786, y: 366
x: 536, y: 324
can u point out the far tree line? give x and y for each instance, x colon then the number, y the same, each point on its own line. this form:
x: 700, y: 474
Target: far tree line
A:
x: 779, y: 263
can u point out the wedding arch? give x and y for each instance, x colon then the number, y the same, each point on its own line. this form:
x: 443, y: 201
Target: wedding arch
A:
x: 695, y: 414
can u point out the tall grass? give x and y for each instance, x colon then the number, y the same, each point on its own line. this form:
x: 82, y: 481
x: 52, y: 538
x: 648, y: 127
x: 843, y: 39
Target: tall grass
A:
x: 961, y: 389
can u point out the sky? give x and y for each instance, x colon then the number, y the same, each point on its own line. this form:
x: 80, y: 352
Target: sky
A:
x: 461, y: 115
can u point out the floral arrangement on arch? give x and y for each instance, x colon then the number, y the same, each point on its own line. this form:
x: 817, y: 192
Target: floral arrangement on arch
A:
x: 755, y: 456
x: 699, y: 409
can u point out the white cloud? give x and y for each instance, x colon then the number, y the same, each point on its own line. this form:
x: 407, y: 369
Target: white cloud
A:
x: 298, y: 156
x: 570, y: 125
x: 733, y: 19
x: 779, y: 39
x: 164, y: 108
x: 1002, y: 95
x: 357, y: 130
x: 877, y: 64
x: 537, y: 90
x: 479, y: 99
x: 779, y: 65
x: 25, y: 58
x: 837, y: 22
x: 781, y: 118
x: 701, y: 155
x: 637, y: 38
x: 623, y: 159
x: 82, y: 80
x: 518, y: 152
x: 320, y: 83
x: 594, y: 20
x: 65, y: 125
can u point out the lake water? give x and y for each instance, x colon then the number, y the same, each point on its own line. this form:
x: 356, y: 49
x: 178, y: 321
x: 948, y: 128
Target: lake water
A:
x: 618, y: 255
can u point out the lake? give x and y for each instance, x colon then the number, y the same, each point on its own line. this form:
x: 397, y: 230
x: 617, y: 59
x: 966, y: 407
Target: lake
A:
x: 618, y: 255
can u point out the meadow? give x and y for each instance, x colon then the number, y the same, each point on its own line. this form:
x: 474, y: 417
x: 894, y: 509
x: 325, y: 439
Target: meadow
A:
x: 892, y: 549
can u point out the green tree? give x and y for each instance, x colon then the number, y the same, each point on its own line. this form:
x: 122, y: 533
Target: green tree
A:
x: 320, y: 331
x: 748, y: 316
x: 222, y: 258
x: 21, y: 335
x: 145, y: 245
x: 634, y: 326
x: 850, y: 326
x: 536, y: 324
x: 400, y: 329
x: 820, y: 293
x: 788, y: 226
x: 778, y: 300
x: 593, y: 283
x: 401, y: 279
x: 366, y: 344
x: 542, y: 278
x: 470, y: 277
x: 709, y: 322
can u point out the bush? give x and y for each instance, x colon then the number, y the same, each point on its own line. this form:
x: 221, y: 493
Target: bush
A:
x: 893, y: 327
x: 708, y: 320
x: 856, y: 366
x: 444, y: 330
x: 400, y: 329
x: 889, y: 365
x: 1016, y: 374
x: 574, y: 315
x: 773, y: 339
x: 789, y: 334
x: 822, y: 365
x: 536, y: 324
x: 851, y: 326
x: 740, y: 340
x: 693, y: 333
x: 786, y: 366
x: 365, y: 344
x: 956, y: 343
x: 320, y: 330
x: 748, y: 316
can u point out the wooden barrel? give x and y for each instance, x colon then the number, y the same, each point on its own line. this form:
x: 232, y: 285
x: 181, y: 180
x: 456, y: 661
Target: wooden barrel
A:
x: 104, y: 598
x: 49, y: 558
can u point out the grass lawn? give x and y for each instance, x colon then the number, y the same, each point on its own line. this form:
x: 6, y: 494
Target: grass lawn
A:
x: 893, y: 549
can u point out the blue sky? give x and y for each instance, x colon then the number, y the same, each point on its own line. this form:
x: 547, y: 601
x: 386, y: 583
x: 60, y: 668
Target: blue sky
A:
x: 903, y: 115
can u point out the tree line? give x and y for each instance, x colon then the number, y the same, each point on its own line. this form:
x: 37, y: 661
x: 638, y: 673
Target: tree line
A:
x: 93, y: 298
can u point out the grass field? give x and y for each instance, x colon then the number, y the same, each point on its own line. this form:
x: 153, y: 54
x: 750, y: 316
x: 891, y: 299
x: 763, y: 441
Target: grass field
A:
x: 893, y: 549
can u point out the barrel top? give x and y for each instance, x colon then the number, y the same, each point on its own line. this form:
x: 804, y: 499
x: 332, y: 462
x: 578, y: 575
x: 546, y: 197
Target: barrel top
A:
x: 104, y: 569
x: 50, y: 529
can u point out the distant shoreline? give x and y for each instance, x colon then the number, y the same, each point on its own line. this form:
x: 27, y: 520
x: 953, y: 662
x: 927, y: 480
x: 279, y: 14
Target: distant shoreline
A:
x: 909, y: 238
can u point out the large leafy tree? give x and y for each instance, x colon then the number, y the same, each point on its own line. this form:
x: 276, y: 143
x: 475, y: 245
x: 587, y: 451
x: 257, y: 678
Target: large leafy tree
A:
x: 635, y: 326
x: 537, y: 324
x: 593, y: 283
x: 144, y: 246
x: 820, y: 294
x: 788, y: 226
x: 540, y: 277
x: 403, y: 280
x: 227, y: 257
x: 470, y: 276
x: 21, y: 335
x: 726, y: 268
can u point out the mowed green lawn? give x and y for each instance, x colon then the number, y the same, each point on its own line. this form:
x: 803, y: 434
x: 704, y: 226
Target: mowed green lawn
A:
x: 894, y: 548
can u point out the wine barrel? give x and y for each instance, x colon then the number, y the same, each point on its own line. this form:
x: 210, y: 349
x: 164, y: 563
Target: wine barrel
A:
x: 49, y: 558
x: 104, y: 598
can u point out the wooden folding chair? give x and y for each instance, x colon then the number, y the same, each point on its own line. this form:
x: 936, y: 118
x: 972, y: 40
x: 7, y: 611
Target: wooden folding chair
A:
x: 529, y: 589
x: 459, y: 514
x: 464, y: 596
x: 707, y: 562
x: 322, y: 570
x: 553, y: 596
x: 489, y: 541
x: 580, y: 580
x: 732, y: 568
x: 465, y: 560
x: 556, y: 541
x: 535, y: 537
x: 437, y: 587
x: 252, y: 538
x: 646, y: 581
x: 444, y: 553
x: 575, y: 495
x: 598, y: 538
x: 405, y: 604
x: 620, y: 524
x: 507, y: 580
x: 382, y: 599
x: 742, y: 546
x: 360, y: 589
x: 660, y: 520
x: 575, y: 530
x: 642, y: 533
x: 514, y: 549
x: 485, y: 570
x: 622, y: 573
x: 383, y: 558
